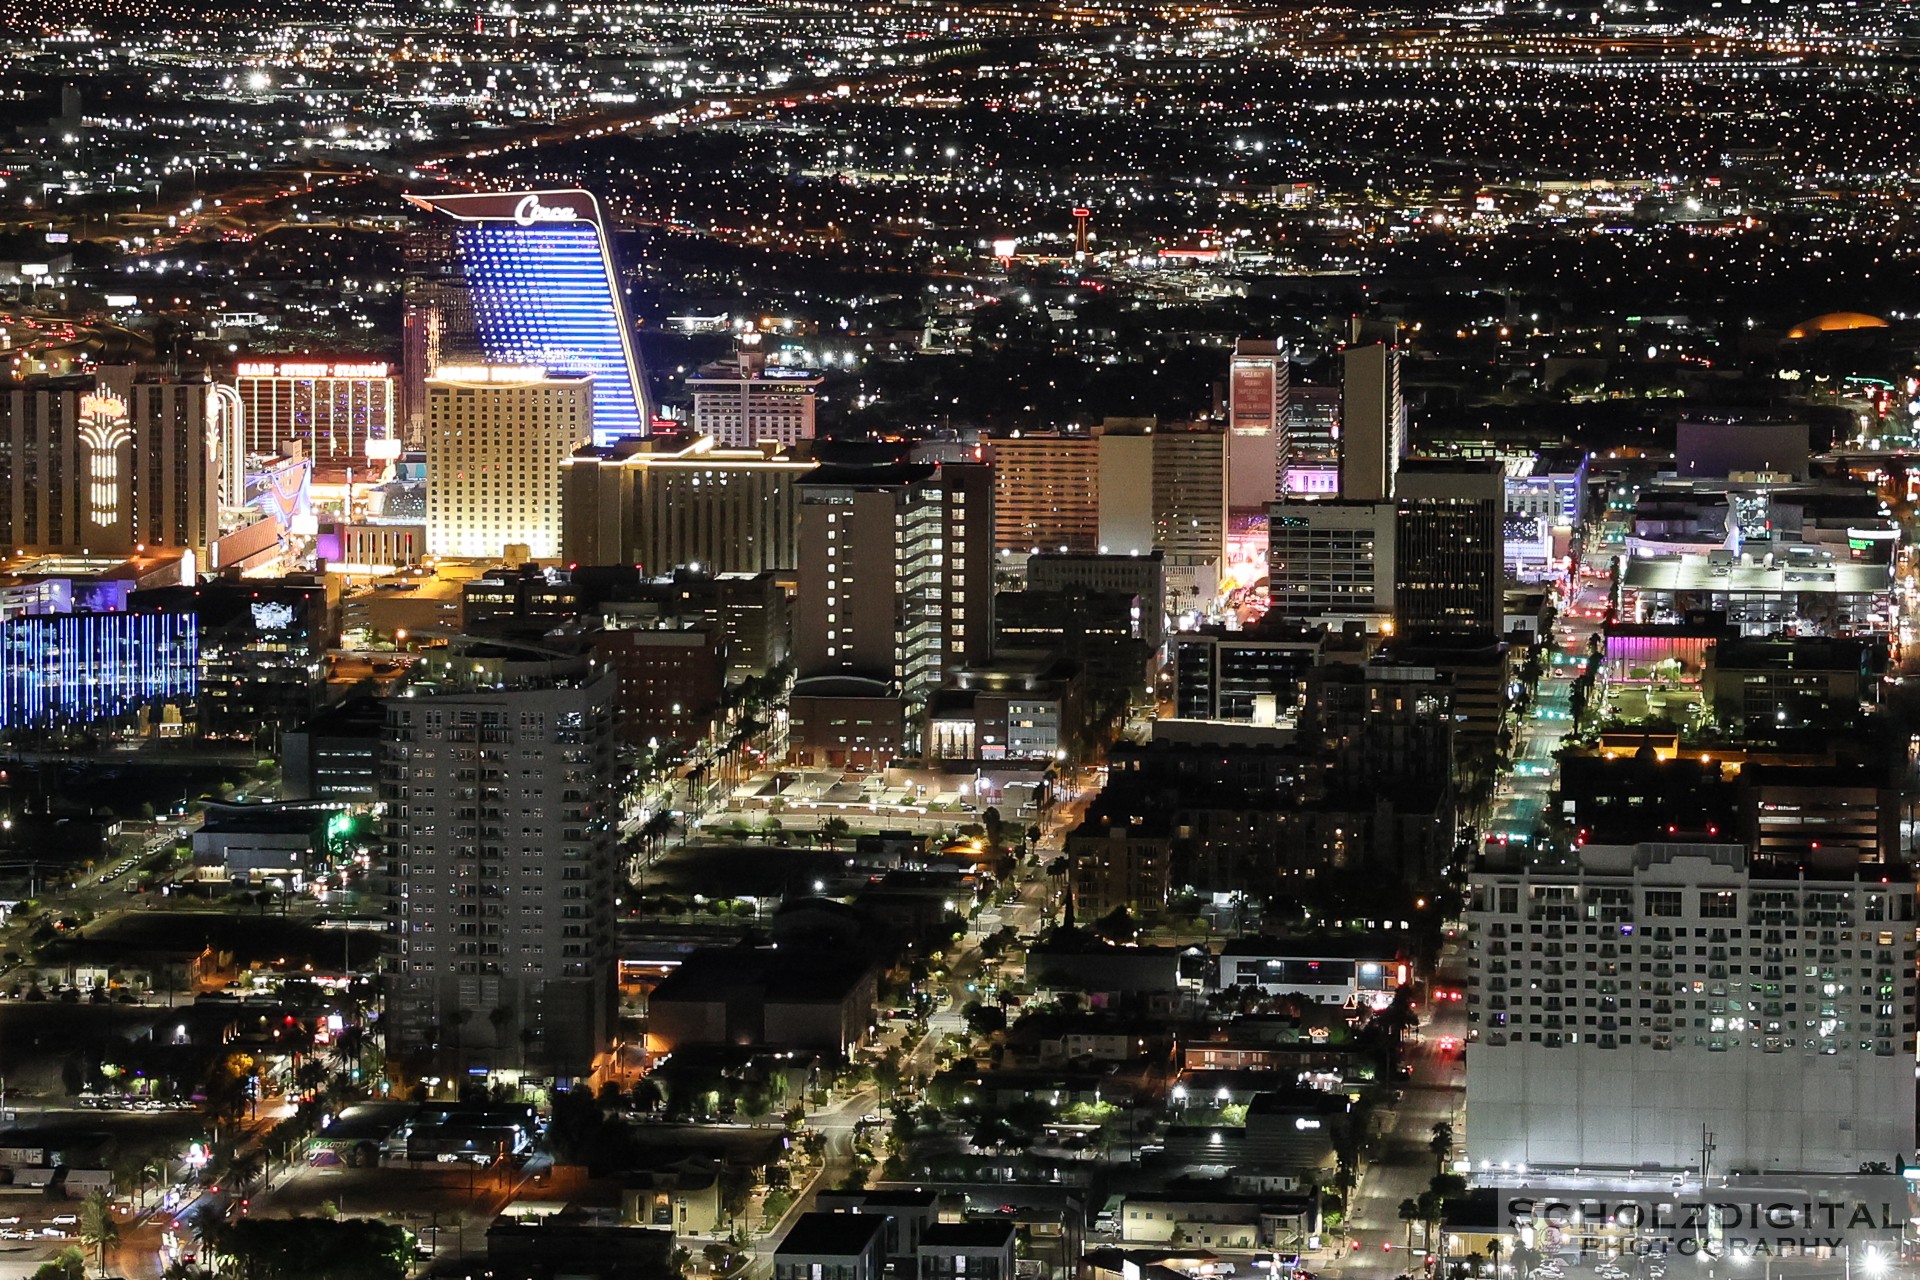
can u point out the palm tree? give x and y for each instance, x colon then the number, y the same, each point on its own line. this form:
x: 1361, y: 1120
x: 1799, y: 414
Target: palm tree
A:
x: 210, y: 1233
x: 245, y: 1170
x: 98, y: 1229
x: 1441, y: 1143
x: 501, y: 1017
x: 1409, y: 1214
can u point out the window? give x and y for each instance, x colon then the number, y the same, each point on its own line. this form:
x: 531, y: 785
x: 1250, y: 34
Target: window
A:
x: 1663, y: 902
x: 1718, y: 904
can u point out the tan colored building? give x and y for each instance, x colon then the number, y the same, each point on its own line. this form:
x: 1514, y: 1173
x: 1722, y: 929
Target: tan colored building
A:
x: 675, y: 501
x: 496, y: 438
x: 1046, y: 494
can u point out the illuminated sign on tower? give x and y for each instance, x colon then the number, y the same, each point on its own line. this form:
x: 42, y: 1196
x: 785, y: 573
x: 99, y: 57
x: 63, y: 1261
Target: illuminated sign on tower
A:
x: 546, y: 292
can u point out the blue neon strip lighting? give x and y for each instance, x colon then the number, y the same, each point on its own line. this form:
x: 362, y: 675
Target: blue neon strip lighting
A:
x: 543, y: 295
x: 61, y: 669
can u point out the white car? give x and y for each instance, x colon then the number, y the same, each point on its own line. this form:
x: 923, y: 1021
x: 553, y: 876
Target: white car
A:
x: 65, y: 1220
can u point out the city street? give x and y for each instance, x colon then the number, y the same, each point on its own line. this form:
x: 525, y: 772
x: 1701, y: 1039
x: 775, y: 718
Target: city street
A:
x: 1403, y: 1163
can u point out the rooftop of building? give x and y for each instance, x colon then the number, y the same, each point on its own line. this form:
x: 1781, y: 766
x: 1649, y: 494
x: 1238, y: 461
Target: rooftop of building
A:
x: 1318, y: 947
x: 1793, y: 653
x: 891, y: 475
x: 1812, y: 575
x: 832, y: 1235
x: 979, y: 1233
x: 783, y: 974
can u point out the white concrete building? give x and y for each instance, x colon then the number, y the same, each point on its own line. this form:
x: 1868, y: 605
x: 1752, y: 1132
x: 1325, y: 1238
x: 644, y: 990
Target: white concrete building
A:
x: 743, y: 403
x: 1620, y: 1009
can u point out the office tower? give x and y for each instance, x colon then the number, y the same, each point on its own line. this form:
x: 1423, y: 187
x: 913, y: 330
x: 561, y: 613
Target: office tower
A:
x: 681, y: 501
x: 341, y: 411
x: 546, y: 292
x: 1373, y: 422
x: 742, y: 403
x: 496, y: 438
x: 118, y: 463
x: 1773, y: 1009
x: 1258, y: 676
x: 1258, y: 446
x: 1143, y: 577
x: 66, y: 669
x: 499, y: 838
x: 895, y: 573
x: 1046, y: 494
x: 1312, y: 464
x: 1448, y: 559
x: 1331, y: 560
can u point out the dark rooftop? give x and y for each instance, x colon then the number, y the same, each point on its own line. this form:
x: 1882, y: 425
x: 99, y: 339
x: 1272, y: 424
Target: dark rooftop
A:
x: 832, y: 1234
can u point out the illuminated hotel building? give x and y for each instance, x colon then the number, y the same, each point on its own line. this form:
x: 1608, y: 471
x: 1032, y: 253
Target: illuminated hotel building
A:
x: 1257, y: 444
x: 339, y: 410
x: 496, y: 436
x: 742, y: 403
x: 85, y: 668
x: 677, y: 501
x: 1046, y: 494
x: 545, y: 292
x: 114, y: 464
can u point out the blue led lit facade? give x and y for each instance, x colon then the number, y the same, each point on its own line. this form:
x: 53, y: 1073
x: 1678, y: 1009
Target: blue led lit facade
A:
x: 545, y: 292
x: 68, y: 669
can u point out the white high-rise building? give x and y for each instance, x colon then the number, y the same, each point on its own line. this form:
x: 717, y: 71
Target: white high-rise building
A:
x: 1658, y: 990
x: 1257, y: 445
x: 499, y: 837
x: 496, y: 438
x: 745, y: 403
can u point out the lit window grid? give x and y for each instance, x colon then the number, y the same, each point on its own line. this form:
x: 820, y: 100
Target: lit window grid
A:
x: 544, y: 296
x: 79, y: 668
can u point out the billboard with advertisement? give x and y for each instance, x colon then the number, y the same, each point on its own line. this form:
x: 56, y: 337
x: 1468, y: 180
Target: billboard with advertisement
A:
x: 1252, y: 396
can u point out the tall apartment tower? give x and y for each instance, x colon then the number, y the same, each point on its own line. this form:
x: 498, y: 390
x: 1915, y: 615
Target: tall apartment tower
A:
x: 1449, y: 561
x: 1373, y: 422
x: 1621, y: 1006
x: 496, y: 438
x: 500, y: 830
x: 896, y: 573
x: 1257, y: 442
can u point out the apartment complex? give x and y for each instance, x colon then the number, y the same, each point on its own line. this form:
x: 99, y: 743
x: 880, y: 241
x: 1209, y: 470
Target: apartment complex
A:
x: 499, y: 841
